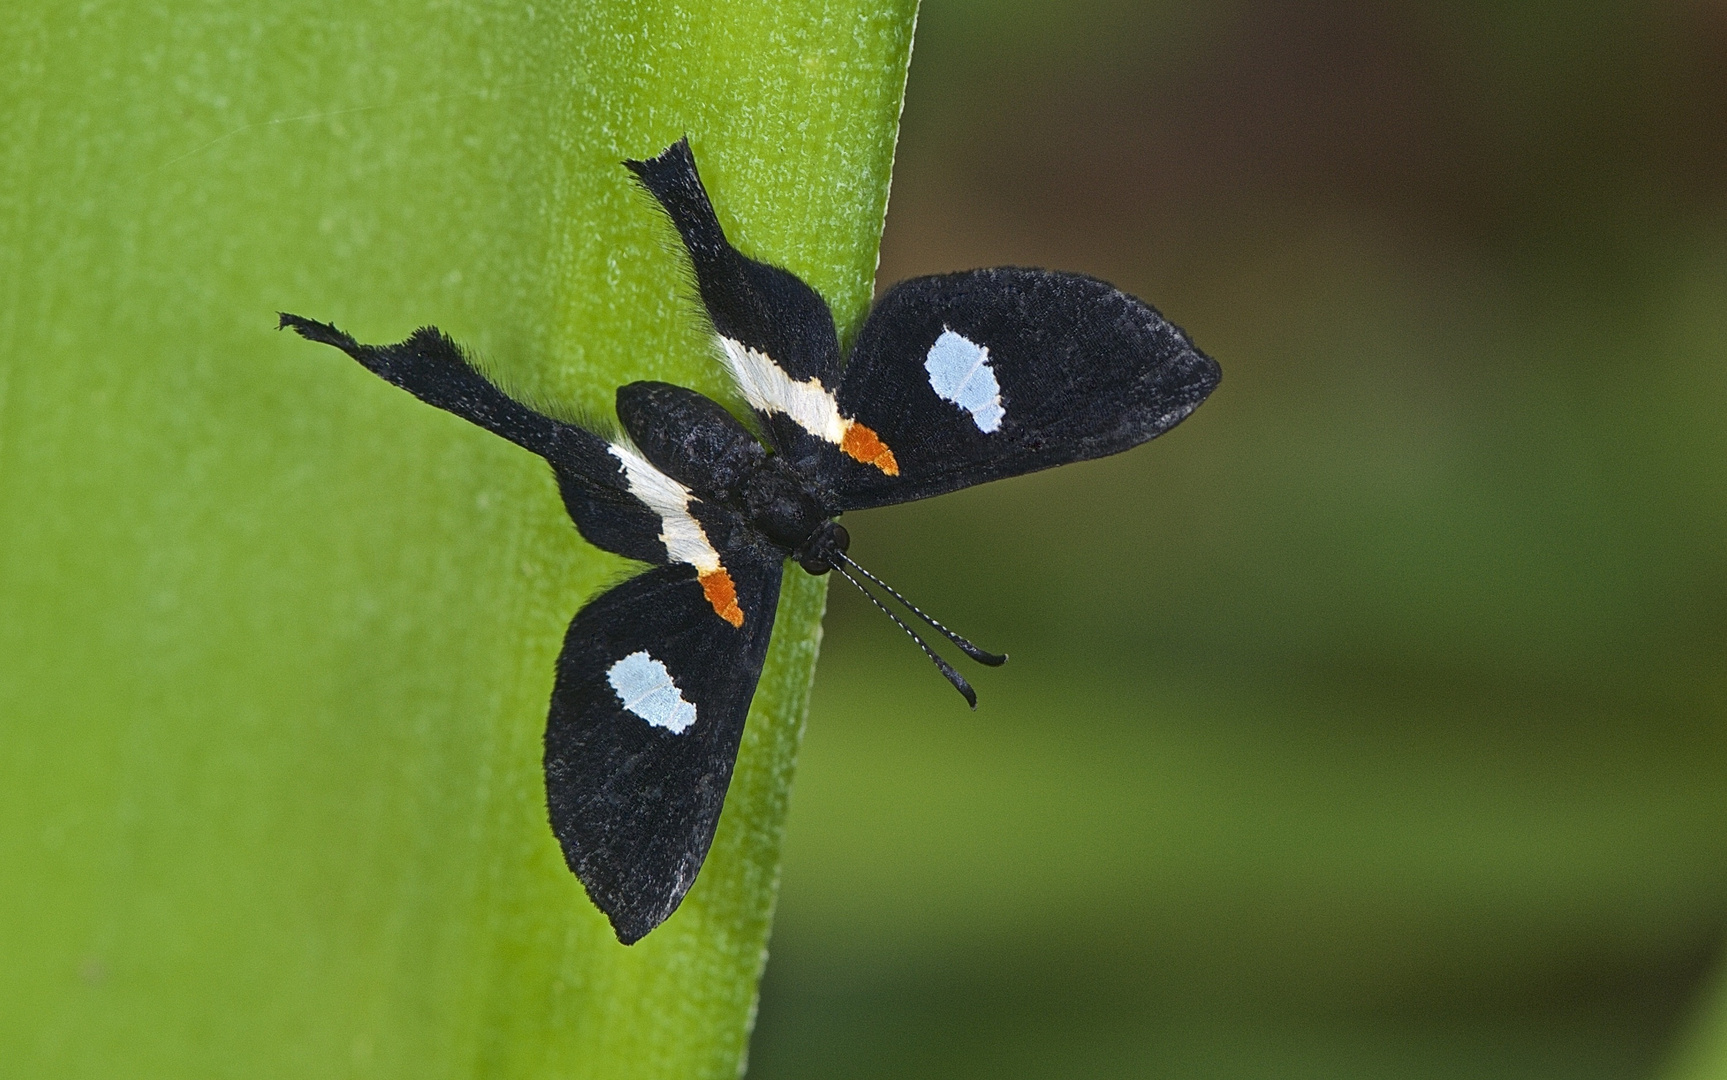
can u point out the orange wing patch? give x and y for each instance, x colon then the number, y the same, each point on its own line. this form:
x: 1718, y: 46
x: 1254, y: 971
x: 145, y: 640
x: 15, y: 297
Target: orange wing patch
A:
x: 723, y: 595
x: 866, y: 446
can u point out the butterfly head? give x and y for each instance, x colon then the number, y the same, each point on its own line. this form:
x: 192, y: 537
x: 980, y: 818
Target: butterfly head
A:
x: 825, y: 548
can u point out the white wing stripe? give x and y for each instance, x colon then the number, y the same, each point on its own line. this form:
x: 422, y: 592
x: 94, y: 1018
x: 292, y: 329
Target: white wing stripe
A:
x: 685, y: 539
x: 767, y: 387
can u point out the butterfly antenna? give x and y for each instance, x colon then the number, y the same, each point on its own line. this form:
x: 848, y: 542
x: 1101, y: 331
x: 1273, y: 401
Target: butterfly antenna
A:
x: 943, y: 666
x: 987, y: 658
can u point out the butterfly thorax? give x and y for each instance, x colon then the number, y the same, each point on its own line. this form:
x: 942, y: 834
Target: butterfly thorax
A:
x: 696, y: 442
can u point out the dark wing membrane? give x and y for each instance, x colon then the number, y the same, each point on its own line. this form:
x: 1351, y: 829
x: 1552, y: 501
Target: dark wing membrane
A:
x: 652, y: 690
x: 979, y: 375
x: 436, y: 370
x: 754, y: 304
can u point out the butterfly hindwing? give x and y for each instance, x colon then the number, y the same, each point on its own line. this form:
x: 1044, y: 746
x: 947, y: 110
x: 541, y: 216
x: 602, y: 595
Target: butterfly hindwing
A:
x: 979, y: 375
x: 592, y: 476
x: 775, y: 332
x: 647, y: 713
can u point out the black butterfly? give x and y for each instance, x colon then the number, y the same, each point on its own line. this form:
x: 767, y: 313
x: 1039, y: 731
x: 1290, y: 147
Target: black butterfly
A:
x: 954, y: 380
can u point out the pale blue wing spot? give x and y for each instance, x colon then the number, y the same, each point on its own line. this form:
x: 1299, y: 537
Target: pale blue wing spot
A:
x: 959, y: 371
x: 645, y: 688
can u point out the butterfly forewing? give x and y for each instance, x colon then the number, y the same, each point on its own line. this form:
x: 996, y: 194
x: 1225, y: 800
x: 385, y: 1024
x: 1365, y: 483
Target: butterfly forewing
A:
x: 979, y: 375
x: 647, y: 712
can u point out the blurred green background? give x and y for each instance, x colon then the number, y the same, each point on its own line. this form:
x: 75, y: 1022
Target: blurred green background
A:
x: 1369, y: 724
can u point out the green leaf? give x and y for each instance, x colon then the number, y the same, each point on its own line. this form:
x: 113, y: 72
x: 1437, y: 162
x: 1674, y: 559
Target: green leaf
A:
x: 275, y: 639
